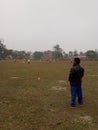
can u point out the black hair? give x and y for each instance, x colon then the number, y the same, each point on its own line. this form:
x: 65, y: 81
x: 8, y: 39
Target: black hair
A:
x: 77, y: 60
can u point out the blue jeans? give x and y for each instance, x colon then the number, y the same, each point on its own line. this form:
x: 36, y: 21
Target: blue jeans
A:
x: 76, y: 91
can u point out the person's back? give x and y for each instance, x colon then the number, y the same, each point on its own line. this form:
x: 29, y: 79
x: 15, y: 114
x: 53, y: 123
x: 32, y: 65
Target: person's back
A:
x: 76, y: 75
x: 75, y: 79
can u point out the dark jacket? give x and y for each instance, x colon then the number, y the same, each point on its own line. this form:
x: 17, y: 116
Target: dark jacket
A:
x: 76, y: 74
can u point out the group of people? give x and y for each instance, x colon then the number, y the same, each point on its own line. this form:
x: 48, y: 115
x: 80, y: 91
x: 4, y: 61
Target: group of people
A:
x: 75, y: 79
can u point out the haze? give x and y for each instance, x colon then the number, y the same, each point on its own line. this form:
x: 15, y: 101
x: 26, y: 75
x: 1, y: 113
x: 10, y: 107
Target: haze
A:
x: 40, y: 24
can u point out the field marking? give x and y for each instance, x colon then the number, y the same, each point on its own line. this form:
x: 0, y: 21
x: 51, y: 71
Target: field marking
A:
x: 62, y: 81
x: 14, y: 77
x: 59, y: 88
x: 84, y: 119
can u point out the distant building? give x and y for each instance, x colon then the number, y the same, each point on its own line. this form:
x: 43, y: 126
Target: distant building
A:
x: 81, y: 56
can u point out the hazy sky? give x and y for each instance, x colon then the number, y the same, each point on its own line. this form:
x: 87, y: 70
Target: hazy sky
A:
x: 41, y: 24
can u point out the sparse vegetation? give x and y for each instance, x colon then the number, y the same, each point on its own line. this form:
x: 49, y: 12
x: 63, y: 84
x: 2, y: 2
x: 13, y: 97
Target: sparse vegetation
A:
x: 27, y: 103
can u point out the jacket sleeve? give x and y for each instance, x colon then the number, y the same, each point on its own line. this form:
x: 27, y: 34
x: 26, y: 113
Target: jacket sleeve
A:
x: 71, y: 75
x: 82, y: 72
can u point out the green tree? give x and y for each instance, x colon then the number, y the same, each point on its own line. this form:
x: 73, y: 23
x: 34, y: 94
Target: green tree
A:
x: 2, y: 49
x: 91, y: 54
x: 37, y: 55
x: 57, y: 54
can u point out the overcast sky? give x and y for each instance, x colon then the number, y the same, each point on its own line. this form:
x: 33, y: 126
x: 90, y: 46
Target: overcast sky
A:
x: 41, y: 24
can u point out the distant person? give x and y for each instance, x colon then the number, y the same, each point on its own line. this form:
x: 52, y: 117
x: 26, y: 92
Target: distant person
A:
x: 75, y: 79
x: 28, y: 61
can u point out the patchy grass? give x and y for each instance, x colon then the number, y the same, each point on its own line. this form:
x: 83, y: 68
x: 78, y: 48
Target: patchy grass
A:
x: 27, y: 103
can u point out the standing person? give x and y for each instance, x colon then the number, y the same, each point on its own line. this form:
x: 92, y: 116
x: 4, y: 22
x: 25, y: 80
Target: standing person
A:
x: 75, y: 79
x: 28, y: 61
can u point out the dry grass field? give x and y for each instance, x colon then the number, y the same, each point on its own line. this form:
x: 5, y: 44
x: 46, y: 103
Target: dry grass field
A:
x: 36, y: 96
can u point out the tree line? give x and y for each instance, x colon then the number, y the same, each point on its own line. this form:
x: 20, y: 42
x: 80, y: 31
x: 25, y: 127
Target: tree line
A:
x: 56, y: 54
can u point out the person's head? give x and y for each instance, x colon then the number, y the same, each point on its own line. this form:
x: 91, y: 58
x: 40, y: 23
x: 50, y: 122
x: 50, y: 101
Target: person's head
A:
x: 77, y: 60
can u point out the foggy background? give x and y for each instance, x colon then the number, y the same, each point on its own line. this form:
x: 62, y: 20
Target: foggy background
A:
x: 40, y: 24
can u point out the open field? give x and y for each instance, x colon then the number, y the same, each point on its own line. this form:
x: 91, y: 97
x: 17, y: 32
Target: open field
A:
x: 36, y: 96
